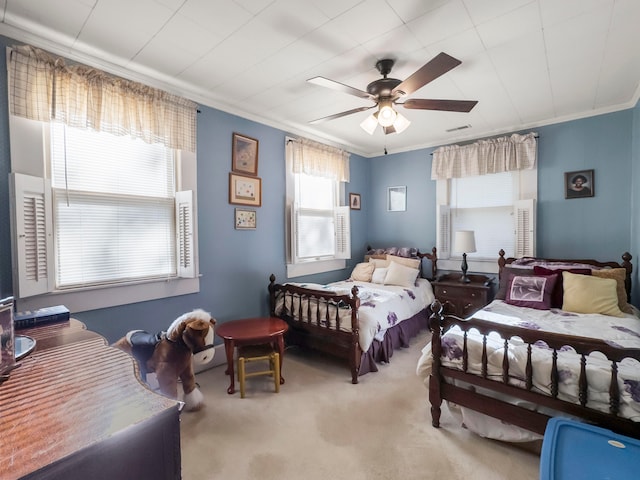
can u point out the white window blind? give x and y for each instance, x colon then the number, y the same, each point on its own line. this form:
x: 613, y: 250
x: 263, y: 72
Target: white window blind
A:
x: 114, y: 208
x: 314, y: 227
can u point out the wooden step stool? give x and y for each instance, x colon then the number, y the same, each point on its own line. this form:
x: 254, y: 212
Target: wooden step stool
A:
x: 256, y: 353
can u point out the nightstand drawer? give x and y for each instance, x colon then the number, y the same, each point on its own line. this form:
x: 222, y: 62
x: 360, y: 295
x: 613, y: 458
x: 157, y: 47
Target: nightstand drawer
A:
x: 463, y: 299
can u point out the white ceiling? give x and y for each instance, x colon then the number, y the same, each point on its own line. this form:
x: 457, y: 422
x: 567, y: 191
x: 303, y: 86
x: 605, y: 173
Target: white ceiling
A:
x: 527, y: 62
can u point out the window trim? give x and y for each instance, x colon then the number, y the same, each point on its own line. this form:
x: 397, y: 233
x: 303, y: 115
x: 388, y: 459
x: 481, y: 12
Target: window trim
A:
x: 527, y: 186
x: 312, y: 266
x: 29, y: 156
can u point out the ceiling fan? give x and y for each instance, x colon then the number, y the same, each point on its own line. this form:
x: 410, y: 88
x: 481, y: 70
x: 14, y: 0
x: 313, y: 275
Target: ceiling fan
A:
x: 386, y: 92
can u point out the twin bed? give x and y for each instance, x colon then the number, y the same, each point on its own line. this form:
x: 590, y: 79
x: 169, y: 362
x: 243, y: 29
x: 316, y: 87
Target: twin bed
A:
x: 380, y: 307
x: 560, y: 339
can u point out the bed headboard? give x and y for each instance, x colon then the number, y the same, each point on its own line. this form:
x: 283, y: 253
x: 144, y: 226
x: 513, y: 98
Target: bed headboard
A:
x: 626, y: 264
x: 409, y: 252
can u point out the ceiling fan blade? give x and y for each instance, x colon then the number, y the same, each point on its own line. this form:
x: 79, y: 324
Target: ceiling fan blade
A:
x: 341, y: 87
x: 446, y: 105
x: 341, y: 114
x: 438, y: 65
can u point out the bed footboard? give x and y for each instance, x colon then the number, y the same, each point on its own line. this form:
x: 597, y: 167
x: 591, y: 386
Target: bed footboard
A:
x: 479, y: 390
x: 320, y: 319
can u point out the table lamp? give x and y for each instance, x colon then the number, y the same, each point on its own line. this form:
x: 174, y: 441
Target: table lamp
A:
x: 464, y: 242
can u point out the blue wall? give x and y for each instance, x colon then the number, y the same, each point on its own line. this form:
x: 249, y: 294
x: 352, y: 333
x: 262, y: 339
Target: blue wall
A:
x: 235, y: 265
x: 596, y: 227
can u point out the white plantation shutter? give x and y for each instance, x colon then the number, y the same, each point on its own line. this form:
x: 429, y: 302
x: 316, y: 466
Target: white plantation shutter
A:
x: 524, y: 213
x: 32, y: 234
x: 342, y: 220
x: 184, y: 222
x: 443, y: 242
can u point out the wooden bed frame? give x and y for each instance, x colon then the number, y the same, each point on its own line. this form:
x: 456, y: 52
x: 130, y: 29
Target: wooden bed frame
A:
x: 307, y: 328
x: 441, y: 385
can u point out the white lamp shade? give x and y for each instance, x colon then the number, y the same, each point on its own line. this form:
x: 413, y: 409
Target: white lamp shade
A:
x: 401, y: 123
x: 464, y: 241
x: 369, y: 124
x: 386, y: 114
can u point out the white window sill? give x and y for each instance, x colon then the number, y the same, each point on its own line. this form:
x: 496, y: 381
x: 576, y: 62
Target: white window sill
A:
x: 104, y: 297
x: 475, y: 265
x: 311, y: 268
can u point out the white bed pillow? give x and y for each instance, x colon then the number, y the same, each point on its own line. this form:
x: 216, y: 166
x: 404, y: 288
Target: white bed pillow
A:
x: 407, y: 262
x: 379, y: 263
x: 398, y: 274
x: 362, y: 272
x: 379, y: 275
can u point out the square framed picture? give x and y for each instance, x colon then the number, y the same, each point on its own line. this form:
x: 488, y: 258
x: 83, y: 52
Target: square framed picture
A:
x: 244, y: 155
x: 354, y: 201
x: 396, y: 199
x: 244, y: 190
x: 245, y: 219
x: 579, y: 184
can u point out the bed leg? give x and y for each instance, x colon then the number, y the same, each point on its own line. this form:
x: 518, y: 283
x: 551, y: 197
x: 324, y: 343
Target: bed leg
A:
x: 435, y: 400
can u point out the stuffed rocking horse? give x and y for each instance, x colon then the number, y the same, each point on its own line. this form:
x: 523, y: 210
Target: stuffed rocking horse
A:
x: 171, y: 354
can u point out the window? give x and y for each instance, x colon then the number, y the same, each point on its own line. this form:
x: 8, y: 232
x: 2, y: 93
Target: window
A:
x: 99, y: 212
x: 498, y: 207
x: 109, y: 217
x: 318, y: 227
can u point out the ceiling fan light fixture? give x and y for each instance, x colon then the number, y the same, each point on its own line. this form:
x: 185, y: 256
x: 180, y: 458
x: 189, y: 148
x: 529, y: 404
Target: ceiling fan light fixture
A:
x: 369, y: 124
x: 401, y: 123
x: 386, y: 114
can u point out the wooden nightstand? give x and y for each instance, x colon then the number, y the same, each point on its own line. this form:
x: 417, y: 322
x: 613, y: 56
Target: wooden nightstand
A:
x: 463, y: 299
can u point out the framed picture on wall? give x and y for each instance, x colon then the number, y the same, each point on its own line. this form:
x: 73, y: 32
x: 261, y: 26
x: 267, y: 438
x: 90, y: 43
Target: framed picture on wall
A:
x: 354, y: 201
x: 244, y: 190
x: 245, y: 219
x: 396, y: 199
x: 579, y: 184
x: 244, y: 155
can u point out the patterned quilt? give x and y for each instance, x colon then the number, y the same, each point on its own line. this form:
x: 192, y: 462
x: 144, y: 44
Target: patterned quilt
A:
x: 381, y: 306
x: 623, y: 332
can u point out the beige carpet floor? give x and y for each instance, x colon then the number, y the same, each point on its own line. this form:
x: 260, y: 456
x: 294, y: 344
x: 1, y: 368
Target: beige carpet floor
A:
x: 320, y: 426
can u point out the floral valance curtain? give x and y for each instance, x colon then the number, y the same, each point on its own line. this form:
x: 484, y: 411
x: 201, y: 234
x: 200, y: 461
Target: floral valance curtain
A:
x: 42, y: 87
x: 503, y: 154
x: 313, y: 158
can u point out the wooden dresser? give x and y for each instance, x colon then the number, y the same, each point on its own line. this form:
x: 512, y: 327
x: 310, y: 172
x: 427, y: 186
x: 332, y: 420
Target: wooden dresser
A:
x: 75, y: 409
x: 463, y: 299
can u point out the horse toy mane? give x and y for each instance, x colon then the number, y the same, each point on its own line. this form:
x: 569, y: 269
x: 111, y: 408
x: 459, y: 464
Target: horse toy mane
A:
x: 172, y: 354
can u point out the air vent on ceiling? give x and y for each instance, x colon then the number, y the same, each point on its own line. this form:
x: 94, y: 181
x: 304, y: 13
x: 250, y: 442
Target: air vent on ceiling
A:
x: 458, y: 128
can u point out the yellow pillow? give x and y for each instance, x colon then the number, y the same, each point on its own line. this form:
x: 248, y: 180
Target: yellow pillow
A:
x: 619, y: 275
x: 362, y: 272
x: 589, y: 294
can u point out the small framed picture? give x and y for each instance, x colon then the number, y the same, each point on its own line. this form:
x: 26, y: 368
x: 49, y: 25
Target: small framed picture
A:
x: 354, y: 201
x: 244, y: 155
x: 396, y: 199
x: 245, y: 219
x: 244, y: 190
x: 579, y: 184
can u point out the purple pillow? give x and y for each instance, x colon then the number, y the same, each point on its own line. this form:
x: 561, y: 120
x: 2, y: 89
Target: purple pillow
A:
x: 505, y: 276
x: 531, y: 291
x: 558, y: 290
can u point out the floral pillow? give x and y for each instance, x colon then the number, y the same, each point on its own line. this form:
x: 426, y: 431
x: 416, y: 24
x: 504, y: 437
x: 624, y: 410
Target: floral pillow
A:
x: 531, y: 291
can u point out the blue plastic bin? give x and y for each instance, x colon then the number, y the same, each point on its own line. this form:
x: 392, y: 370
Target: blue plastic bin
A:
x: 572, y: 450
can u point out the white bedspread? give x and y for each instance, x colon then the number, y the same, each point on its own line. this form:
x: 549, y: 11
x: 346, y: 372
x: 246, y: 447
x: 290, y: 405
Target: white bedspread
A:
x: 381, y: 306
x: 624, y: 332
